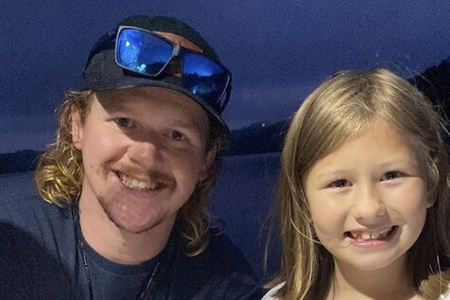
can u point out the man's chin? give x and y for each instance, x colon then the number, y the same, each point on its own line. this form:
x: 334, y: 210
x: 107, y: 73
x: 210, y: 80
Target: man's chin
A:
x: 130, y: 220
x: 131, y: 226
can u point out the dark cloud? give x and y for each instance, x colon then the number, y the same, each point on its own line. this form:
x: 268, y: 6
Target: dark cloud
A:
x: 277, y: 51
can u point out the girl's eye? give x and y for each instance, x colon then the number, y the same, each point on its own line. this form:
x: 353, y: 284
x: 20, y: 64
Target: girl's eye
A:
x: 340, y: 183
x: 391, y: 175
x: 176, y: 135
x: 123, y: 122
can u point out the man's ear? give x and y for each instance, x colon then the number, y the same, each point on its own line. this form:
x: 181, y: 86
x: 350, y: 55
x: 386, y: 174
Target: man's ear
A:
x: 77, y: 128
x: 209, y: 161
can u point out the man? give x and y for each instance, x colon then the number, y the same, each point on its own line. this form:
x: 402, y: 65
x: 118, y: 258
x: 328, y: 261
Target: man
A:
x: 128, y: 178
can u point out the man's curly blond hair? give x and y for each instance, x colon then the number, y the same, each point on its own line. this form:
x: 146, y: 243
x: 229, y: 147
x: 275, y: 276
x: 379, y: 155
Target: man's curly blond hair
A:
x: 59, y: 173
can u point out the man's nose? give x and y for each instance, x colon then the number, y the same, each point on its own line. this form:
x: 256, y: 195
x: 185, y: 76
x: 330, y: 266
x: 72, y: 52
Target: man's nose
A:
x: 144, y: 153
x: 368, y: 203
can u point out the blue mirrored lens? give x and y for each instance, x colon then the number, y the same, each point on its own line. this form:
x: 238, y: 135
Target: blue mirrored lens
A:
x: 204, y: 78
x: 141, y: 52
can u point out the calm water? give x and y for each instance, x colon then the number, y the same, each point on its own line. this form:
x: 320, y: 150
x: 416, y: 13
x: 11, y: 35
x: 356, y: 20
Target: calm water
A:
x: 241, y: 199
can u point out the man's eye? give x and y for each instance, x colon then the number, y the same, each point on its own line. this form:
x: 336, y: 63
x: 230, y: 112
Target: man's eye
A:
x: 391, y: 175
x: 123, y: 122
x: 340, y: 183
x: 176, y: 135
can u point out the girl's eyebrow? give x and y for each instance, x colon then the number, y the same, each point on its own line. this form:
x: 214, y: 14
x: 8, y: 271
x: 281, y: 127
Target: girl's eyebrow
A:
x: 332, y: 174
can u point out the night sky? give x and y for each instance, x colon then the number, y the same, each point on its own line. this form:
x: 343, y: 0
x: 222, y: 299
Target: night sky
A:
x: 278, y: 51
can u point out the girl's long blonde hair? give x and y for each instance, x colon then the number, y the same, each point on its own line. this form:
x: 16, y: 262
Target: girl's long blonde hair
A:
x: 337, y: 110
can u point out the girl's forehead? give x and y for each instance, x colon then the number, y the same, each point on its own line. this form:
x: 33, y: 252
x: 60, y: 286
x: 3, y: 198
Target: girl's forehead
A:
x: 376, y: 137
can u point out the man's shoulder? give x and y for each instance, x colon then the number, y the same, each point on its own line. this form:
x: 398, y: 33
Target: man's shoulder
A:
x: 220, y: 255
x: 21, y: 207
x: 32, y: 233
x: 27, y: 212
x: 221, y: 271
x: 223, y: 251
x: 20, y: 191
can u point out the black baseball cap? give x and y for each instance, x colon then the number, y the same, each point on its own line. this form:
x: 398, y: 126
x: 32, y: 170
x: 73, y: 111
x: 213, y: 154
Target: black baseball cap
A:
x: 102, y: 73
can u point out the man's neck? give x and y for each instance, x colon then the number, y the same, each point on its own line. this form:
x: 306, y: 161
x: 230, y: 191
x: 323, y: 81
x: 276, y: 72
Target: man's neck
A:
x: 116, y: 244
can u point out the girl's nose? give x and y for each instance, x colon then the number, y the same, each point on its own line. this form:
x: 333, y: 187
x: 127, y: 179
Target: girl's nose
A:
x: 368, y: 204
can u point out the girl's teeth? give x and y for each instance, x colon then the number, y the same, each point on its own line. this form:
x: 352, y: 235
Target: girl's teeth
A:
x: 366, y: 236
x: 374, y: 235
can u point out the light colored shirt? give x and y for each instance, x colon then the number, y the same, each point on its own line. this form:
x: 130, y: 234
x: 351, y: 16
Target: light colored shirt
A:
x: 270, y: 295
x: 445, y: 296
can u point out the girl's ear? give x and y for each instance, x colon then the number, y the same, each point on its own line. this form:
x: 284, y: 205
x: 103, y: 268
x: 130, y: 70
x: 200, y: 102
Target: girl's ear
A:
x: 77, y: 129
x: 432, y: 181
x: 431, y: 197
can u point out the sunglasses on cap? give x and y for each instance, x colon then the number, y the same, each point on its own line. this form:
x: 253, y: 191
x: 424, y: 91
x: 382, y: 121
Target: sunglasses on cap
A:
x: 149, y: 54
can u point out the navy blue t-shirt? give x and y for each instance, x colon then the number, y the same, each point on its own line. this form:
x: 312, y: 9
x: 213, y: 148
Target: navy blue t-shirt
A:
x: 41, y: 258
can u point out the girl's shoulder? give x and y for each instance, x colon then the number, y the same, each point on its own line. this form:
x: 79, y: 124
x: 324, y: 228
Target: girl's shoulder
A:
x: 270, y: 295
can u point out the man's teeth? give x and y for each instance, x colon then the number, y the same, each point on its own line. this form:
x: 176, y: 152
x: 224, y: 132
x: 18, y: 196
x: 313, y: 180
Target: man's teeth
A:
x: 367, y: 236
x: 136, y: 184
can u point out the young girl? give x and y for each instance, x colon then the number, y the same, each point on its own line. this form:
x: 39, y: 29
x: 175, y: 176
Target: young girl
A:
x: 363, y: 198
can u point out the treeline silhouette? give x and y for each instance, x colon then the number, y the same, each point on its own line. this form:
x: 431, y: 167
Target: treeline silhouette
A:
x: 20, y: 161
x: 258, y: 138
x: 434, y: 83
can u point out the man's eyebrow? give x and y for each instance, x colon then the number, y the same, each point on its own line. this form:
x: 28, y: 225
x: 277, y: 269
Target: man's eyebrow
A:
x: 188, y: 125
x: 112, y: 104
